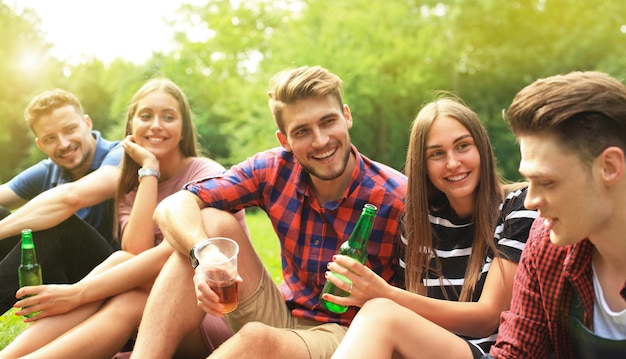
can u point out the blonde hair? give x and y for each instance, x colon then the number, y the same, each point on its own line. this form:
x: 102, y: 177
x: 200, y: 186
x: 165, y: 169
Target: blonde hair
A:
x: 291, y: 85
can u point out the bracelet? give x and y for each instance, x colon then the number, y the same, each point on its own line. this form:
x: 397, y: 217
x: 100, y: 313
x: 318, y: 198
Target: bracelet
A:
x: 143, y: 172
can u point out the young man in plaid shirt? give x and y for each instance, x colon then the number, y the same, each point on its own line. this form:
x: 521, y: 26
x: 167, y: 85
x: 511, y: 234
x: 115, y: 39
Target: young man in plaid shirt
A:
x: 313, y: 189
x: 569, y: 297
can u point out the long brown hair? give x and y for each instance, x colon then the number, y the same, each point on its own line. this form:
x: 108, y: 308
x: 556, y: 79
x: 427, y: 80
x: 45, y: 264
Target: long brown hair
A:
x: 188, y: 145
x: 423, y: 196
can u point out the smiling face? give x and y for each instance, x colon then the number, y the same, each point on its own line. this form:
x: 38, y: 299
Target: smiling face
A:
x: 567, y: 194
x: 316, y: 131
x: 157, y: 124
x: 453, y: 162
x: 64, y: 135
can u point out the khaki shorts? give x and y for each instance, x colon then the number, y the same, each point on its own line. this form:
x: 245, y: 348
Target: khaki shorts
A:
x: 267, y: 305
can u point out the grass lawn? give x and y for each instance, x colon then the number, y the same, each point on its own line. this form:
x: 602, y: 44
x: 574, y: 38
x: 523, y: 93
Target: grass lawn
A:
x: 264, y: 240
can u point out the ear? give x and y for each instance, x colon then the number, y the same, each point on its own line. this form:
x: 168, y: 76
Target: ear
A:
x: 88, y: 122
x: 612, y: 163
x: 282, y: 139
x: 347, y: 115
x: 38, y: 143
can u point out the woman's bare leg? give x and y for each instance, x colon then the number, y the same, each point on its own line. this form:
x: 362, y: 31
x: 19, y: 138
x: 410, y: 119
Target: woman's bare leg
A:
x: 103, y: 334
x: 385, y: 329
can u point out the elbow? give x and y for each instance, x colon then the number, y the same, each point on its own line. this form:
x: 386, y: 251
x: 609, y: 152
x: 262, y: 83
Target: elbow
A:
x: 71, y: 198
x: 487, y: 326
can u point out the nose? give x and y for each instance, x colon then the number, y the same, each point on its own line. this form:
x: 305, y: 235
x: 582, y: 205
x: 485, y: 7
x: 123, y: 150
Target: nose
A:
x: 156, y: 122
x: 319, y: 138
x: 64, y: 141
x: 532, y: 199
x: 452, y: 162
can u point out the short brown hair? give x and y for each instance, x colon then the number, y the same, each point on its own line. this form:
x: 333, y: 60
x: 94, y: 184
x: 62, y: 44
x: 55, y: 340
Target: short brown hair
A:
x: 586, y: 111
x: 46, y: 102
x: 291, y: 85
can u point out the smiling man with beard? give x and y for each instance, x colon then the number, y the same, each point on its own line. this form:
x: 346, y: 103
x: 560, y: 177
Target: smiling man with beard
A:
x: 66, y: 199
x: 313, y: 188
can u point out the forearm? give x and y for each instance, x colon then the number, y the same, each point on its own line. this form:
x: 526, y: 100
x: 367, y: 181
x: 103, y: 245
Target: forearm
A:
x: 179, y: 218
x: 138, y: 234
x: 45, y: 211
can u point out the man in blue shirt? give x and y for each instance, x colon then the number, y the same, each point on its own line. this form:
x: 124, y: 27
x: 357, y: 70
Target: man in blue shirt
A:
x: 66, y: 199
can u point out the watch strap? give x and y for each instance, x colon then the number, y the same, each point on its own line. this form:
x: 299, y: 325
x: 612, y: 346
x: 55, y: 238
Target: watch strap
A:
x: 144, y: 172
x: 192, y: 257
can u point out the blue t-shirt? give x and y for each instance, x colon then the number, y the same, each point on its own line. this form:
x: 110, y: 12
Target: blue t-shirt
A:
x: 45, y: 175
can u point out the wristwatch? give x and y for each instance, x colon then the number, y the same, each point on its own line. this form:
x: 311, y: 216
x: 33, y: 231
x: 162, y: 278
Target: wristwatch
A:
x: 192, y: 257
x: 143, y: 172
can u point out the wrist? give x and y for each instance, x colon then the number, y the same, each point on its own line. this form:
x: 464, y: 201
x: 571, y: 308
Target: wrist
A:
x: 146, y: 172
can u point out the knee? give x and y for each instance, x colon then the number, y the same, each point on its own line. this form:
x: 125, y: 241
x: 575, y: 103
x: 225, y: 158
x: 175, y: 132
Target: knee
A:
x: 380, y: 305
x: 255, y: 333
x: 379, y: 311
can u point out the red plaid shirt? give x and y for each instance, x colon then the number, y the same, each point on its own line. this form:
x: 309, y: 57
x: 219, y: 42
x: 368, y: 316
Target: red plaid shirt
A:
x: 536, y: 325
x: 311, y: 234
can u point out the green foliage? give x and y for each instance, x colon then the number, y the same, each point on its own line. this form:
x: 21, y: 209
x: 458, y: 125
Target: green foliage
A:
x: 392, y: 56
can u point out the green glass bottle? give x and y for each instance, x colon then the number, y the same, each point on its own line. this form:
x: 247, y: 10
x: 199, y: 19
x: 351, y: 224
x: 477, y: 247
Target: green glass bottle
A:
x: 356, y: 248
x: 29, y: 271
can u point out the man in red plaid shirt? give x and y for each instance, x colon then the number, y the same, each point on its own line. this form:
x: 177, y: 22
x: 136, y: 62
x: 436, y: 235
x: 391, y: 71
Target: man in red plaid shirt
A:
x: 313, y: 189
x: 569, y: 297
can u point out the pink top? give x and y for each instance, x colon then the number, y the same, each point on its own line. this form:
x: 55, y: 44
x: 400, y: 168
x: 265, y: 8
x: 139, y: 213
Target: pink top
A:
x: 199, y: 167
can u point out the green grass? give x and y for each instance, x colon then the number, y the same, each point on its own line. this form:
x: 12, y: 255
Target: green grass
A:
x: 263, y: 238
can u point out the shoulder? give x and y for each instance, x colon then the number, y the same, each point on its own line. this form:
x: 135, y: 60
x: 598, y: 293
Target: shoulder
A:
x: 205, y: 165
x: 107, y: 152
x: 382, y: 174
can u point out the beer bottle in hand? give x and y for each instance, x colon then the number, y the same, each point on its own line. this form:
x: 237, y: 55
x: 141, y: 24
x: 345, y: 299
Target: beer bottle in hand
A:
x: 356, y: 248
x: 29, y: 271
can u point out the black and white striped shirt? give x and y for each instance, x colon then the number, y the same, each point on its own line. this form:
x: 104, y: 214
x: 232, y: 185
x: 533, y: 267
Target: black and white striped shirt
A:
x: 452, y: 239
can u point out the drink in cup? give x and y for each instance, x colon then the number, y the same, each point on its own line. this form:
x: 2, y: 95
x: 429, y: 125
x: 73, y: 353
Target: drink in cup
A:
x: 217, y: 259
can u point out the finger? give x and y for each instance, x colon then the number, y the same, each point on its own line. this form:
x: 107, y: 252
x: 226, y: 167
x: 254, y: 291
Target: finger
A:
x: 339, y: 269
x: 348, y: 263
x: 336, y: 299
x: 212, y: 310
x: 338, y: 282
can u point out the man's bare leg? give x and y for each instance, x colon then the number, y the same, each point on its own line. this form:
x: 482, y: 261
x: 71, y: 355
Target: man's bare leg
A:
x: 259, y: 341
x: 171, y: 311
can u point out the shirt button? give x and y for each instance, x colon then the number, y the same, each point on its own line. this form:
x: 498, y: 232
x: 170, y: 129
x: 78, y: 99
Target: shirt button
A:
x: 317, y: 242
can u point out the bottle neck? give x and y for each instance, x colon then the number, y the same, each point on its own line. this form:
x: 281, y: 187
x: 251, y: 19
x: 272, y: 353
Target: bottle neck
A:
x: 28, y: 250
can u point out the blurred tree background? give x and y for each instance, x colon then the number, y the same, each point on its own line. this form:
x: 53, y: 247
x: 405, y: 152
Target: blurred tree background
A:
x: 392, y: 55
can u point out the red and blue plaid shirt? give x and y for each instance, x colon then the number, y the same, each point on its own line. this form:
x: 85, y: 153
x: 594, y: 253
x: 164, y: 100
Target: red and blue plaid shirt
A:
x: 536, y: 324
x: 310, y: 234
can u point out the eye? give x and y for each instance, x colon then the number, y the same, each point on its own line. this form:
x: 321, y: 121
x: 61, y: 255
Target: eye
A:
x: 70, y: 130
x: 328, y: 122
x: 47, y: 140
x: 542, y: 182
x: 301, y: 132
x: 145, y: 116
x: 435, y: 154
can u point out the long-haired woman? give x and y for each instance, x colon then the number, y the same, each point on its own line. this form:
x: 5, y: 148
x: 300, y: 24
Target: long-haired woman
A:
x: 464, y: 232
x: 95, y: 317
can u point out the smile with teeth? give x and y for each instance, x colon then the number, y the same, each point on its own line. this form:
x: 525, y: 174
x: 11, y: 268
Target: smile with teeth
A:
x: 155, y: 139
x: 67, y: 153
x: 324, y: 155
x: 458, y: 177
